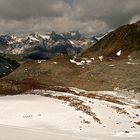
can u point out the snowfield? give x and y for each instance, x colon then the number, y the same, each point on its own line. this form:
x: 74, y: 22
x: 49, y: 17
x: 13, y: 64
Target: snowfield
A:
x: 68, y: 116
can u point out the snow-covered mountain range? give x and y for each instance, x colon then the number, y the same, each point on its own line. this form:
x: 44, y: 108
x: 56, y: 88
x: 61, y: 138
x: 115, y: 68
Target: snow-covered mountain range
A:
x: 38, y: 46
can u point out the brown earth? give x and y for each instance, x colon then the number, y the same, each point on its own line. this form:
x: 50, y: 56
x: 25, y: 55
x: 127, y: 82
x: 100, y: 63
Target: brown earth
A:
x: 117, y: 72
x: 138, y: 123
x: 58, y: 71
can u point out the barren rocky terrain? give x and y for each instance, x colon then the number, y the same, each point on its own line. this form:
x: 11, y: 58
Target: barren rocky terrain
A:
x: 70, y: 97
x: 96, y: 75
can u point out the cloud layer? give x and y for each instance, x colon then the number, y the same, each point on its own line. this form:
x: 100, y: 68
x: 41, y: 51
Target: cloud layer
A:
x: 88, y: 16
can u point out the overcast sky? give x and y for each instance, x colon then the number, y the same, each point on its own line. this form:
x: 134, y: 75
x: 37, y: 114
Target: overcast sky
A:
x: 88, y: 16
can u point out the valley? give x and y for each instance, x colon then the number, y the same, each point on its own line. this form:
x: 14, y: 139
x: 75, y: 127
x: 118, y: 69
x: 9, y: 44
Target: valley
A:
x: 71, y: 86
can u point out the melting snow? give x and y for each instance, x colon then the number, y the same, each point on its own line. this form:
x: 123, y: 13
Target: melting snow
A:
x: 101, y: 58
x: 44, y: 36
x: 72, y: 42
x: 6, y: 67
x: 18, y: 50
x: 40, y: 61
x: 77, y: 63
x: 33, y: 39
x: 55, y: 63
x: 111, y: 65
x: 82, y: 62
x: 88, y: 61
x: 129, y: 57
x: 92, y: 59
x: 72, y: 61
x: 119, y: 53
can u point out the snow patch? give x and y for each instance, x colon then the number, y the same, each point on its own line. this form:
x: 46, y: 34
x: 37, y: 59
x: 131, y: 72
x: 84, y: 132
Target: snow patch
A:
x: 101, y: 58
x: 77, y: 63
x: 92, y: 59
x: 119, y: 53
x: 82, y: 62
x: 111, y: 65
x: 88, y: 61
x: 6, y: 67
x: 44, y: 36
x: 32, y: 39
x: 130, y: 63
x: 72, y: 61
x: 18, y: 50
x: 72, y: 42
x: 40, y: 61
x: 129, y: 57
x: 55, y: 63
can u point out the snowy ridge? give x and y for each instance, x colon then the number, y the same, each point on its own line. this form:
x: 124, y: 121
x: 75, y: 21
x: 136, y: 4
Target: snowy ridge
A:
x: 49, y: 43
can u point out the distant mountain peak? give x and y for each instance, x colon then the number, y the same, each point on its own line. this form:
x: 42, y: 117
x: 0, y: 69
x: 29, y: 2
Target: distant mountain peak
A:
x: 125, y: 38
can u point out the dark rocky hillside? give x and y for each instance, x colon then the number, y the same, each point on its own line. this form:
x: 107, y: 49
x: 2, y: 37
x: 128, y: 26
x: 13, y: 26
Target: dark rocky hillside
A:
x: 125, y: 39
x: 7, y: 66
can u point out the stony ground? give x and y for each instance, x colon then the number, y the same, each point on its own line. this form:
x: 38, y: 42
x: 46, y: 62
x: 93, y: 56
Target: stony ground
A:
x: 91, y: 75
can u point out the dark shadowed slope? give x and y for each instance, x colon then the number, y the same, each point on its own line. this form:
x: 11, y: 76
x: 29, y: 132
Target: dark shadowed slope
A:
x: 125, y: 39
x: 7, y: 66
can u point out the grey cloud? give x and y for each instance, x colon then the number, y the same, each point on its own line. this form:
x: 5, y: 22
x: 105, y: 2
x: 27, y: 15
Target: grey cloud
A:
x: 89, y: 16
x: 25, y: 9
x: 113, y: 12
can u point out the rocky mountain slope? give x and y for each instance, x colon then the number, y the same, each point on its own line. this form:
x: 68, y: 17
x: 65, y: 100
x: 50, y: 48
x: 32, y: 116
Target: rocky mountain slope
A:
x: 123, y: 42
x: 89, y: 71
x: 7, y: 66
x: 60, y: 71
x: 70, y: 96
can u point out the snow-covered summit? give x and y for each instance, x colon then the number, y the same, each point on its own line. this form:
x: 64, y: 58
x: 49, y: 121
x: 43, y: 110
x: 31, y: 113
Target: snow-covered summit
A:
x: 48, y: 44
